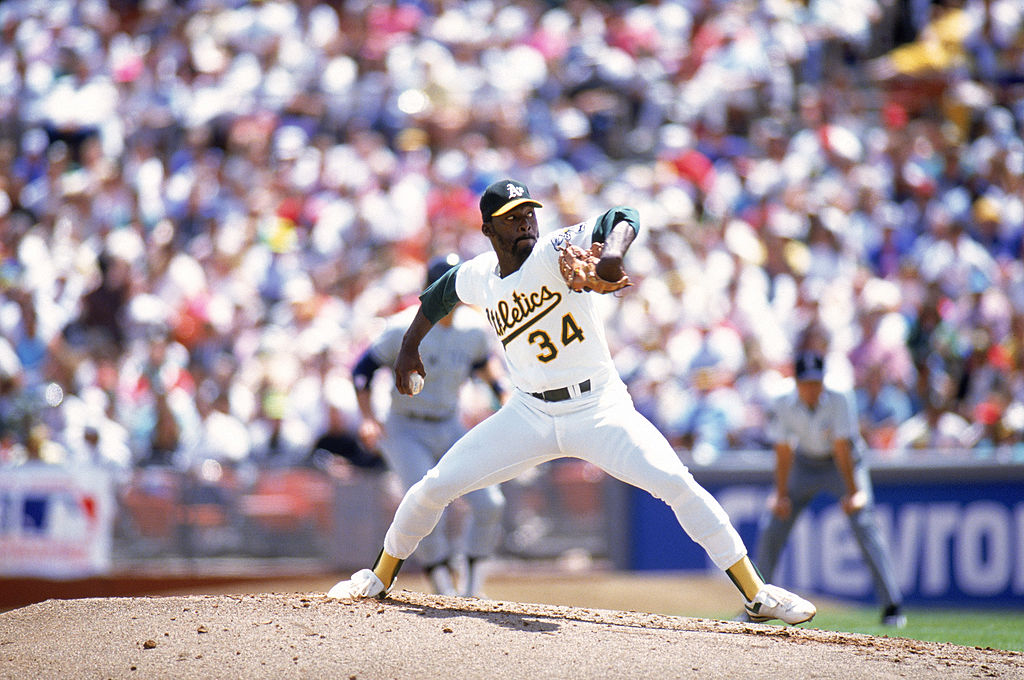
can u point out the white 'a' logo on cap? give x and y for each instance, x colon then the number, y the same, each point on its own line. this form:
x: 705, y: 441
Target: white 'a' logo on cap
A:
x: 513, y: 190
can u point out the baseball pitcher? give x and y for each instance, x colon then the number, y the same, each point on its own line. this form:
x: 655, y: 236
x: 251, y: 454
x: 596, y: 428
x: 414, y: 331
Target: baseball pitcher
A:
x: 538, y: 295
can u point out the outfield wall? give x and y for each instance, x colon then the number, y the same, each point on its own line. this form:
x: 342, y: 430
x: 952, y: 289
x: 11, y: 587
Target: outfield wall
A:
x: 956, y: 533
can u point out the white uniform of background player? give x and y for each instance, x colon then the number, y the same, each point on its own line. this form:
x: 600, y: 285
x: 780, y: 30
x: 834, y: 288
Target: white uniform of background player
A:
x: 568, y: 399
x: 818, y: 449
x: 419, y: 429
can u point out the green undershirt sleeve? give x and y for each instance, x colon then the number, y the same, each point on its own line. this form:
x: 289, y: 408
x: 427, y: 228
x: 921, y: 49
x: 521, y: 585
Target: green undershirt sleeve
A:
x: 608, y: 220
x: 440, y: 297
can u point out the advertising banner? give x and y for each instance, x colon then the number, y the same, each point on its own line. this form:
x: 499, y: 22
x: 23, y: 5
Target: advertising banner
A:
x: 956, y: 535
x: 55, y: 522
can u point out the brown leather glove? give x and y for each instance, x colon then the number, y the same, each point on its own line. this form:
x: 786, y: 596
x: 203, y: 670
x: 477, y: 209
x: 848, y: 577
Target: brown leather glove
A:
x: 579, y: 269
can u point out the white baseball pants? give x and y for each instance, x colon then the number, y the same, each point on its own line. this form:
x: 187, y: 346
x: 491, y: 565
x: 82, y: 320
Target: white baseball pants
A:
x: 411, y: 447
x: 601, y: 427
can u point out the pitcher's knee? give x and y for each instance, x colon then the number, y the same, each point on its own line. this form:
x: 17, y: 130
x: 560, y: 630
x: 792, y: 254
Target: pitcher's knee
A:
x: 683, y: 497
x: 433, y: 492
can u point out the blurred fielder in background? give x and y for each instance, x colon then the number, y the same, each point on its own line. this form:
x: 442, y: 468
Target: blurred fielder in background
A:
x: 418, y: 430
x: 818, y: 449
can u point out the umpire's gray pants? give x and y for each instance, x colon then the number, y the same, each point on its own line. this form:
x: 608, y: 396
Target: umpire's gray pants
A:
x: 411, y: 447
x: 807, y: 479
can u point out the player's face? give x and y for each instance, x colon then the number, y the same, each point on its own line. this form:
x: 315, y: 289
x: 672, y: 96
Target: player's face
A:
x: 809, y: 391
x: 515, y: 233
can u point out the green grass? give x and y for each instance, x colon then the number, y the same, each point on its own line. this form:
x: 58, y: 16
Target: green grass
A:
x: 998, y: 629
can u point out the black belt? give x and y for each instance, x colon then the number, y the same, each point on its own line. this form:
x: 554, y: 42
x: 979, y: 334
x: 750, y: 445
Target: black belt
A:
x: 814, y: 461
x: 427, y: 418
x: 561, y: 393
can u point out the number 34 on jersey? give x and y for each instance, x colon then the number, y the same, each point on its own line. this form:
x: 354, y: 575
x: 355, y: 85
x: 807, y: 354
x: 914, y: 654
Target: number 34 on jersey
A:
x: 521, y: 316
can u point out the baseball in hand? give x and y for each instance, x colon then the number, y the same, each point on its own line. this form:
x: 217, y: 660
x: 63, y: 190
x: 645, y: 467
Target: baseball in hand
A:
x: 854, y: 502
x: 415, y: 383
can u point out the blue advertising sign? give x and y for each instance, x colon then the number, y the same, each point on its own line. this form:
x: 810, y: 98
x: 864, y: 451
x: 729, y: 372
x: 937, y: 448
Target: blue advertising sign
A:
x: 958, y: 540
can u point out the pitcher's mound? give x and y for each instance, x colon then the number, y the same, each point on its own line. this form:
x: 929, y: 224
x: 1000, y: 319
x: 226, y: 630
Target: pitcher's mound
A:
x: 412, y: 635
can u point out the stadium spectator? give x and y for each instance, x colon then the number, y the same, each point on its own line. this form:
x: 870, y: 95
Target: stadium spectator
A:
x: 882, y: 406
x: 217, y: 161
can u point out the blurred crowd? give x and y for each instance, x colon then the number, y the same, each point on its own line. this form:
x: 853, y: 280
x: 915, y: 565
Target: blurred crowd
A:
x: 208, y: 206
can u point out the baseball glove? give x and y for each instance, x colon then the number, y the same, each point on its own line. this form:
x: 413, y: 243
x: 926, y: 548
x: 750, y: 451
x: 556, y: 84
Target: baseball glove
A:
x: 579, y: 269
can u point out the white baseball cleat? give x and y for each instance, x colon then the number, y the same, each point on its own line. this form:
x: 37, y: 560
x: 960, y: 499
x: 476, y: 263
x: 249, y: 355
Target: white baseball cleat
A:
x: 773, y: 602
x: 364, y: 583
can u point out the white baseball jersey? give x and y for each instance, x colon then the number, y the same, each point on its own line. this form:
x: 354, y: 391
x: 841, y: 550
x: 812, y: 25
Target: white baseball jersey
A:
x: 812, y: 432
x: 449, y: 354
x: 552, y: 336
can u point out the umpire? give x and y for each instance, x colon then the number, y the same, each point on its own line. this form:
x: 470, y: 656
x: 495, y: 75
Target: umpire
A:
x: 818, y: 449
x: 418, y: 431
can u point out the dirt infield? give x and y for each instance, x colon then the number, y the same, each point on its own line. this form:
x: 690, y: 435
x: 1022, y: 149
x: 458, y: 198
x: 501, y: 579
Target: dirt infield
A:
x: 413, y: 635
